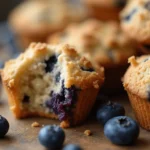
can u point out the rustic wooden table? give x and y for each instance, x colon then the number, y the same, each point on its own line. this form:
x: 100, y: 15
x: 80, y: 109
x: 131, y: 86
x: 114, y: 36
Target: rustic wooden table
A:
x: 22, y: 136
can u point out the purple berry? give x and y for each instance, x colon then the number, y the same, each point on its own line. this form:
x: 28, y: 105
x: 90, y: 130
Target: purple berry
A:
x: 4, y: 126
x: 122, y: 130
x: 52, y: 137
x: 108, y: 111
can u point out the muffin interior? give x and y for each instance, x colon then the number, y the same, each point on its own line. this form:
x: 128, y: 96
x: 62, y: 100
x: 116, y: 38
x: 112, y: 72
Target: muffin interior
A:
x: 43, y: 89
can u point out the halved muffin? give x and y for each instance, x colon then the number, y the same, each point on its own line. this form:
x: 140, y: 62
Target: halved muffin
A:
x: 52, y: 81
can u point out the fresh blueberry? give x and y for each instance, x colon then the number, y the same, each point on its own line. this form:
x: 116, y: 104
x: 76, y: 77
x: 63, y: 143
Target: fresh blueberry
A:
x: 128, y: 17
x: 108, y: 111
x: 52, y: 137
x: 87, y: 69
x: 121, y: 130
x: 4, y: 126
x: 50, y: 63
x: 72, y: 147
x: 147, y: 6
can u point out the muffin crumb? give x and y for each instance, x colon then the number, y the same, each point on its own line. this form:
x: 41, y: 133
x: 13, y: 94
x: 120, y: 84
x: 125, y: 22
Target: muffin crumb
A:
x: 35, y: 124
x: 133, y: 61
x: 88, y: 132
x: 64, y: 124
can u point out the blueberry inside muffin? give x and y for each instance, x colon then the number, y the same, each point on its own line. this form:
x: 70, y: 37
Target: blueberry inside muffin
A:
x: 52, y: 81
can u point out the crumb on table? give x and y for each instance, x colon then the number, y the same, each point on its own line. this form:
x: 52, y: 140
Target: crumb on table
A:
x: 35, y: 124
x: 65, y: 124
x: 88, y: 132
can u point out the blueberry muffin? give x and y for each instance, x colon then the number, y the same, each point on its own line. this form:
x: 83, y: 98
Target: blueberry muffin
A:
x: 52, y: 81
x: 34, y: 20
x: 105, y: 9
x: 135, y: 21
x: 137, y: 84
x: 103, y: 43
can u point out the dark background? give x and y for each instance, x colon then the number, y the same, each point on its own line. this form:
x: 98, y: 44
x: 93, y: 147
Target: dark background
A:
x: 6, y: 6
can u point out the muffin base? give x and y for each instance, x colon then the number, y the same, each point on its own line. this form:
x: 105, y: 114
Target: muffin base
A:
x: 141, y: 109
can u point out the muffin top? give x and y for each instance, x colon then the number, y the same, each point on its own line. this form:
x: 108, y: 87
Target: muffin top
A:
x: 102, y: 42
x: 75, y: 70
x: 135, y: 20
x: 40, y: 17
x: 108, y: 3
x: 137, y: 78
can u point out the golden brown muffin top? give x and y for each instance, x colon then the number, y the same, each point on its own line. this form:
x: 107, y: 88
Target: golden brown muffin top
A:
x: 137, y: 78
x: 76, y: 70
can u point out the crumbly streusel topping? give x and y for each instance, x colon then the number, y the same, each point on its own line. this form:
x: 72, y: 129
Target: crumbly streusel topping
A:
x: 67, y: 57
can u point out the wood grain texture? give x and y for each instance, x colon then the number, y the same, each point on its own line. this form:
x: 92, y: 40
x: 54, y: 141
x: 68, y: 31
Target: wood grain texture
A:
x: 22, y: 136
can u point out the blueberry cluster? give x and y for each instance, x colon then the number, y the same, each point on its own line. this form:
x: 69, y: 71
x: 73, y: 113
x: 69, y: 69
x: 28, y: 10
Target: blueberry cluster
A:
x: 119, y: 129
x: 63, y: 102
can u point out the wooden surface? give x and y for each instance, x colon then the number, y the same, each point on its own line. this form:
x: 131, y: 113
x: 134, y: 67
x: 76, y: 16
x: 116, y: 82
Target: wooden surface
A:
x: 22, y: 136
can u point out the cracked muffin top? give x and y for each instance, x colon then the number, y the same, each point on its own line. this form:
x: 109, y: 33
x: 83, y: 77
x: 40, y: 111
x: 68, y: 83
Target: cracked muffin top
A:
x: 40, y: 17
x: 76, y: 70
x: 137, y: 79
x: 135, y: 20
x: 102, y: 42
